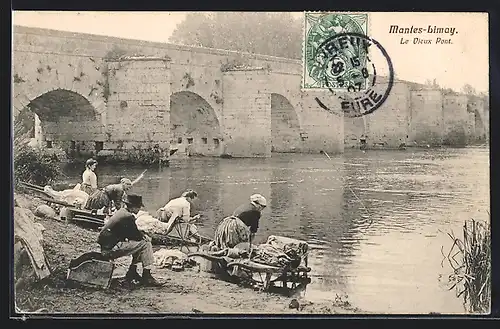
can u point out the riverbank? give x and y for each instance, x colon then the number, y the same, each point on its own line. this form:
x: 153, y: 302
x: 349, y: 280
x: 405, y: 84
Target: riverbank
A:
x: 188, y: 291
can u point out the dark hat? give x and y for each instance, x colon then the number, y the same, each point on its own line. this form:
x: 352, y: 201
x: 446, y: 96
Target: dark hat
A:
x: 133, y: 200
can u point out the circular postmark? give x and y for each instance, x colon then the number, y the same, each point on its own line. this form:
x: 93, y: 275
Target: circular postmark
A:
x: 348, y: 70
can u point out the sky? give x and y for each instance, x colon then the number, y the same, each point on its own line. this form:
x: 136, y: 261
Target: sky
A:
x: 452, y: 65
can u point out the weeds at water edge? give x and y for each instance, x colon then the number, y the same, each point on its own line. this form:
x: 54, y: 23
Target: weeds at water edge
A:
x: 470, y: 259
x: 32, y: 165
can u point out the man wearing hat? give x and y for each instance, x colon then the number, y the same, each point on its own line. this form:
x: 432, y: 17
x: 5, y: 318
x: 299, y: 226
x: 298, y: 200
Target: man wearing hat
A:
x: 120, y: 237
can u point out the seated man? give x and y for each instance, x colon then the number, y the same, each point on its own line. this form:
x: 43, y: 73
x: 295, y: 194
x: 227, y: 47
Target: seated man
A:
x: 178, y: 208
x: 120, y: 237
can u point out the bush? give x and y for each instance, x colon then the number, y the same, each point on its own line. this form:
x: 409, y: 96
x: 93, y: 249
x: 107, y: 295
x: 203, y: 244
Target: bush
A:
x: 456, y: 138
x: 32, y: 165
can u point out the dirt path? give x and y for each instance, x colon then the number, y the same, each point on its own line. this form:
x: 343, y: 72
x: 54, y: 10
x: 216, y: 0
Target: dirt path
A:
x: 188, y: 291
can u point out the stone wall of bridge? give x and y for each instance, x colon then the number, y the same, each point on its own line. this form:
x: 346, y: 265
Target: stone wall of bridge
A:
x: 131, y: 112
x: 415, y: 116
x: 106, y: 95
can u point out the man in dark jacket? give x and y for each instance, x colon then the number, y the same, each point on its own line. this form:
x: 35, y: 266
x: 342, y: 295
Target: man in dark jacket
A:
x: 120, y: 237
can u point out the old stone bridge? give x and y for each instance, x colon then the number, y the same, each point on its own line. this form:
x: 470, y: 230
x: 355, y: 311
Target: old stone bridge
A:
x: 117, y: 97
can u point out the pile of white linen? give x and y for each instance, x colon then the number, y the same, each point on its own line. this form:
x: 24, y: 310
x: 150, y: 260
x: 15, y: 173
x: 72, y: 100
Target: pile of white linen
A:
x: 73, y: 196
x: 149, y: 224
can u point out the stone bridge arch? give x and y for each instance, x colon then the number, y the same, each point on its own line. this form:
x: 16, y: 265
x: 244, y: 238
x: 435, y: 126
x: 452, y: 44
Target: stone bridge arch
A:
x: 63, y: 119
x: 194, y: 125
x: 286, y: 125
x: 34, y: 77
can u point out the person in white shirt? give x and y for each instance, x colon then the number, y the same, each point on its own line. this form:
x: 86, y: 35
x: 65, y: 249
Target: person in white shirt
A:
x: 89, y: 178
x: 178, y: 208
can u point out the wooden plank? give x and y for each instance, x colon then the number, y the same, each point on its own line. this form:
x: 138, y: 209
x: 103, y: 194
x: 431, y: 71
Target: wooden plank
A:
x: 47, y: 195
x: 62, y: 203
x: 256, y: 266
x: 206, y: 256
x: 88, y: 213
x: 89, y: 218
x: 87, y: 221
x: 33, y: 186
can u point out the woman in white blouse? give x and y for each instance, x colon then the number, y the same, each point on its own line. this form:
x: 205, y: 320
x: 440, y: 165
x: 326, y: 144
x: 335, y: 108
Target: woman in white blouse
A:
x: 89, y: 178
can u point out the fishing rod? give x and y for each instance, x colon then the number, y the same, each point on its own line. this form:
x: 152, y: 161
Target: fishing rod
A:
x: 352, y: 191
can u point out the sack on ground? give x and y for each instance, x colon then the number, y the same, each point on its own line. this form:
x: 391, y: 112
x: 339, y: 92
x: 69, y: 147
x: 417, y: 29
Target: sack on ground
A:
x: 168, y: 257
x: 45, y: 211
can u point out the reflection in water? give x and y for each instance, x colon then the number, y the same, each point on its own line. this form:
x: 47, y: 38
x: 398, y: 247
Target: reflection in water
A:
x: 375, y: 220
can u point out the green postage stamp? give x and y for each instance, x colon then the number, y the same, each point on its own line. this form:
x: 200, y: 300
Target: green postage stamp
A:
x: 345, y: 68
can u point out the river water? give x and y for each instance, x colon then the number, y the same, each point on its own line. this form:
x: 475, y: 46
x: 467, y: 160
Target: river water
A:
x: 377, y: 221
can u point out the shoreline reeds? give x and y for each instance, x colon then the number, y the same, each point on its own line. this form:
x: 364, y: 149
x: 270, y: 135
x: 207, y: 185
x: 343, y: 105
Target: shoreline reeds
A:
x: 470, y: 259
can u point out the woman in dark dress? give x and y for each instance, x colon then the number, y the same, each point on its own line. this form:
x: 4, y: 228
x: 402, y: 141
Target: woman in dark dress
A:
x: 109, y: 196
x: 242, y: 225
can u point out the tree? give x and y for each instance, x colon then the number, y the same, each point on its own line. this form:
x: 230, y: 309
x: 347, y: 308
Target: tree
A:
x: 449, y: 91
x: 26, y: 120
x: 468, y: 89
x: 485, y: 96
x: 275, y: 34
x: 432, y: 84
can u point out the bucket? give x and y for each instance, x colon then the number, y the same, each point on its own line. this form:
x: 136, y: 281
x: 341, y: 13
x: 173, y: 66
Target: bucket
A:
x: 65, y: 214
x: 206, y: 265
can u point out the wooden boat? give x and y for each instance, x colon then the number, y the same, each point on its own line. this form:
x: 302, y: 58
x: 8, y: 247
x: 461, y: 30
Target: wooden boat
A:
x: 85, y: 217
